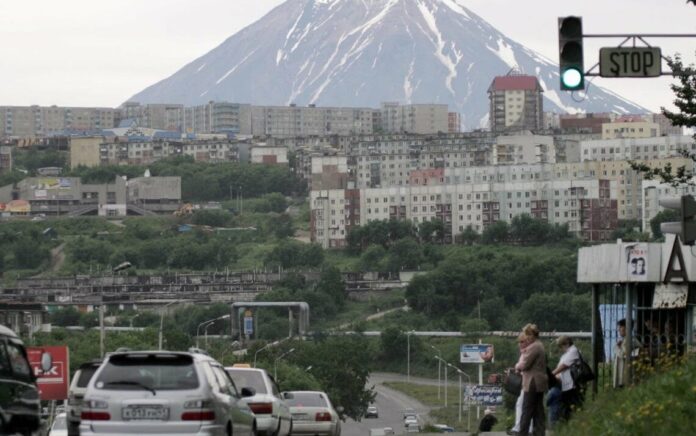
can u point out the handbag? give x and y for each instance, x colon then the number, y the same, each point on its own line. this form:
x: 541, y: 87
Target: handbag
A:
x: 581, y: 372
x: 513, y: 383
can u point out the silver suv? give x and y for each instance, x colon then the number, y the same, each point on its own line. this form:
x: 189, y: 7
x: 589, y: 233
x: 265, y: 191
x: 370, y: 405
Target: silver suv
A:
x: 143, y: 392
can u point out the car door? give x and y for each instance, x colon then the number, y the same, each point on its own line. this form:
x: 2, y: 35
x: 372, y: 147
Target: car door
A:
x: 241, y: 422
x: 283, y: 408
x: 241, y: 411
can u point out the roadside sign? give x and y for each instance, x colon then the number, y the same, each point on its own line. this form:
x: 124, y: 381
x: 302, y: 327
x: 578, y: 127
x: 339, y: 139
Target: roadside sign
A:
x: 54, y: 383
x: 476, y: 353
x: 485, y: 395
x: 630, y: 62
x: 248, y: 323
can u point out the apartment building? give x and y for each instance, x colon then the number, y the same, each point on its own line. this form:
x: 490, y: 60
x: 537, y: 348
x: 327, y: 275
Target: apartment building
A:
x: 636, y: 148
x: 520, y: 149
x: 630, y: 126
x: 293, y: 121
x: 516, y: 103
x: 218, y: 117
x: 134, y: 152
x: 53, y: 196
x: 588, y: 207
x: 264, y: 154
x: 155, y: 116
x: 422, y: 119
x: 38, y: 121
x: 5, y: 158
x: 454, y: 122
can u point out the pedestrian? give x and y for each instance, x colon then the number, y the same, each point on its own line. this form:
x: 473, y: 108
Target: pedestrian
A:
x: 622, y: 354
x: 535, y: 382
x: 488, y: 421
x: 522, y: 342
x: 562, y: 399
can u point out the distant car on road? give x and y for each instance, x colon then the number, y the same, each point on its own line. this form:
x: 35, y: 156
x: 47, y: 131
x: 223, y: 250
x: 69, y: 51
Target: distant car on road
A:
x: 442, y: 428
x: 312, y: 413
x: 78, y: 387
x: 386, y: 431
x: 372, y: 412
x: 413, y: 428
x: 411, y: 420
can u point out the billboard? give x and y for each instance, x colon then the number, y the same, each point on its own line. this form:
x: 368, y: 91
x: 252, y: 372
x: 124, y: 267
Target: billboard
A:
x: 54, y: 383
x: 476, y: 353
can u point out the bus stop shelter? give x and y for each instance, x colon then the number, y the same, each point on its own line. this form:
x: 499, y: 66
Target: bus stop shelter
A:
x: 649, y: 287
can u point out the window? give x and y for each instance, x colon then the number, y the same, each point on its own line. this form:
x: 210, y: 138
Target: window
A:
x: 17, y: 361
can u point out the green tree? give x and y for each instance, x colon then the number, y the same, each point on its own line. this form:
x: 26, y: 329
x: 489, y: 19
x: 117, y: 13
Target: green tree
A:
x: 212, y: 217
x: 664, y: 216
x: 404, y: 254
x: 469, y: 236
x: 557, y: 311
x: 68, y: 316
x: 372, y: 257
x: 496, y: 233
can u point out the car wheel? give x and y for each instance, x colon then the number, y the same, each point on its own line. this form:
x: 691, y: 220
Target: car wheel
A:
x: 254, y: 431
x: 228, y: 430
x: 290, y: 429
x: 277, y: 430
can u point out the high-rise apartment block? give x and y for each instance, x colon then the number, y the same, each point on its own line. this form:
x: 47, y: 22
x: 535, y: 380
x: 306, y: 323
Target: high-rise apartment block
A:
x: 219, y: 117
x: 516, y: 103
x: 38, y: 121
x: 5, y: 158
x: 415, y: 118
x: 155, y: 116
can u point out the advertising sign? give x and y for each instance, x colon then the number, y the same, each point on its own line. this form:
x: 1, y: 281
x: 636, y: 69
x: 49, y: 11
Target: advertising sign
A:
x: 637, y: 262
x: 476, y: 353
x: 54, y: 383
x: 248, y: 323
x: 486, y: 395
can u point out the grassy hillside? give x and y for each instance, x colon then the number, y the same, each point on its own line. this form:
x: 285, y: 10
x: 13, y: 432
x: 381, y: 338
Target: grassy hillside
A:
x: 664, y: 404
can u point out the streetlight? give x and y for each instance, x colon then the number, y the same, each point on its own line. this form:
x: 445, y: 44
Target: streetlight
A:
x: 205, y: 329
x: 210, y: 321
x: 271, y: 344
x: 163, y: 311
x: 462, y: 373
x: 275, y: 363
x: 440, y: 359
x: 408, y: 355
x: 439, y: 364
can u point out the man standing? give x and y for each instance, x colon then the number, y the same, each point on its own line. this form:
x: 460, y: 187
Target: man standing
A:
x: 534, y: 383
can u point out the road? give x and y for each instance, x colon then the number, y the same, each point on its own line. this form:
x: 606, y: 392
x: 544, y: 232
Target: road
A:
x: 390, y: 404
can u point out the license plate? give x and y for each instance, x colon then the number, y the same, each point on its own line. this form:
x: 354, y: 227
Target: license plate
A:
x: 145, y: 412
x: 300, y: 416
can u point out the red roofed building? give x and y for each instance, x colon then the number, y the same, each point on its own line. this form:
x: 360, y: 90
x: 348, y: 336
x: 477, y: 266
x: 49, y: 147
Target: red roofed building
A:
x: 516, y: 103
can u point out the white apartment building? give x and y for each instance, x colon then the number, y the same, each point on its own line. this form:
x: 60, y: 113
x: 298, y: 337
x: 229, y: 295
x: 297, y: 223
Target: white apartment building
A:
x: 421, y: 119
x: 636, y: 148
x: 291, y: 121
x: 263, y: 154
x: 588, y: 207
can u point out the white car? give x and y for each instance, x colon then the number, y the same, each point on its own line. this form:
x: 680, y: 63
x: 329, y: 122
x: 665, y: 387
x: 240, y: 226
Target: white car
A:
x: 272, y: 413
x: 312, y: 413
x: 411, y: 420
x: 59, y: 426
x: 164, y: 392
x: 78, y: 387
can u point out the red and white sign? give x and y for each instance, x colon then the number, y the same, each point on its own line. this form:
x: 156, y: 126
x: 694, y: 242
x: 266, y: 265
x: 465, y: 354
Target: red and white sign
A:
x: 54, y: 383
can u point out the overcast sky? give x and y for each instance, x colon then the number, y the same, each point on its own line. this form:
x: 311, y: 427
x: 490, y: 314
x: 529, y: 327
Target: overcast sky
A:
x: 99, y: 53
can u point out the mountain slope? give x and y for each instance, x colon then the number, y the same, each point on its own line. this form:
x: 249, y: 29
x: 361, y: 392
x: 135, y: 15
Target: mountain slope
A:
x: 364, y: 52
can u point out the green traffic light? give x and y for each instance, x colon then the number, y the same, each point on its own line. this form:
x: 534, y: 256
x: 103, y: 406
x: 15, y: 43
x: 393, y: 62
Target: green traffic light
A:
x: 572, y: 78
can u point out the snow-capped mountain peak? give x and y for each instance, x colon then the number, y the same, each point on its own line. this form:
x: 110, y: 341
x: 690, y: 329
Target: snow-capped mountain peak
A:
x: 364, y: 52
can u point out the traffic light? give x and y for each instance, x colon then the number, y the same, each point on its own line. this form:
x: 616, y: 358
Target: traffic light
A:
x: 570, y: 53
x: 686, y: 226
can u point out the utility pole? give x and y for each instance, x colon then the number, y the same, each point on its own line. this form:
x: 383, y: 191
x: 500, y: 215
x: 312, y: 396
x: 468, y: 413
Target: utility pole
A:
x: 101, y: 330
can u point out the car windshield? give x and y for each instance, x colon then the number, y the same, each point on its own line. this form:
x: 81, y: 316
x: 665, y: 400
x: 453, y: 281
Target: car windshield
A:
x: 148, y: 371
x: 248, y: 379
x: 59, y: 423
x: 307, y: 399
x: 86, y: 374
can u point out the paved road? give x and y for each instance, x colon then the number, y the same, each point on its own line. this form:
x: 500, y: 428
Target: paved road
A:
x: 390, y: 404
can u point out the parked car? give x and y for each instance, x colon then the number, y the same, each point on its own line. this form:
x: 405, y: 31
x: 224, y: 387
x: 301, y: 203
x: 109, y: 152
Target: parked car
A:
x: 386, y: 431
x: 272, y: 413
x: 372, y: 412
x: 59, y: 426
x: 313, y: 413
x: 164, y: 392
x: 76, y: 393
x: 20, y: 407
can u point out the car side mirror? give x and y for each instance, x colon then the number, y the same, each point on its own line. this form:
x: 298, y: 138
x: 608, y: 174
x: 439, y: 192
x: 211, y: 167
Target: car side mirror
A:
x: 288, y: 396
x: 46, y: 361
x: 248, y: 392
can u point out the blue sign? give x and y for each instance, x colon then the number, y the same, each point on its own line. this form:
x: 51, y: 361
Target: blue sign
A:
x: 249, y: 325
